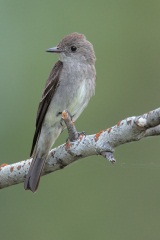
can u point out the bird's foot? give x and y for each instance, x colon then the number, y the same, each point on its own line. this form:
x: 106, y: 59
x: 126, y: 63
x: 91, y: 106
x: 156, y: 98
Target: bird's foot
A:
x: 81, y: 134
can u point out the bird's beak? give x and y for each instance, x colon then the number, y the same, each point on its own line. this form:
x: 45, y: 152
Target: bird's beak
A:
x: 54, y: 50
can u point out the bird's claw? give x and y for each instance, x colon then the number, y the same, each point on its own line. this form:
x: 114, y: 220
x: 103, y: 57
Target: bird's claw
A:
x: 80, y: 135
x: 83, y: 133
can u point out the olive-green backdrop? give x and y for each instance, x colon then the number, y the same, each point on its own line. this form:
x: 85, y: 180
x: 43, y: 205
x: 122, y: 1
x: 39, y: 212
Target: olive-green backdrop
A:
x: 90, y: 199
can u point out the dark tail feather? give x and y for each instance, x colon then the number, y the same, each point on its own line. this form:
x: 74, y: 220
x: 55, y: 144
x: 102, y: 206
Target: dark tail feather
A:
x: 33, y: 177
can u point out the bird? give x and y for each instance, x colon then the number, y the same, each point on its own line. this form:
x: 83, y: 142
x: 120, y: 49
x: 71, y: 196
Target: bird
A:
x: 70, y: 86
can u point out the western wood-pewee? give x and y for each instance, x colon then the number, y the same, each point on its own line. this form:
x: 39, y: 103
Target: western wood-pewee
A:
x: 70, y: 86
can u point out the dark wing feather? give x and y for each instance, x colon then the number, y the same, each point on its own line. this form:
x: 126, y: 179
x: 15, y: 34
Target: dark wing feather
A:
x: 48, y: 93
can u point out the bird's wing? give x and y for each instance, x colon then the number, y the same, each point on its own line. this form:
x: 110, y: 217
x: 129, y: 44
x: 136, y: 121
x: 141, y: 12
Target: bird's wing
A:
x: 48, y: 93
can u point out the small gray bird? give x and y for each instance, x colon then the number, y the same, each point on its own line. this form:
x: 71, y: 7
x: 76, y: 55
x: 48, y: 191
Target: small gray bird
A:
x: 70, y: 86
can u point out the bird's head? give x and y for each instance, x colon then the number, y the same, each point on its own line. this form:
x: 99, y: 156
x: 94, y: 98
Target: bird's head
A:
x: 75, y: 47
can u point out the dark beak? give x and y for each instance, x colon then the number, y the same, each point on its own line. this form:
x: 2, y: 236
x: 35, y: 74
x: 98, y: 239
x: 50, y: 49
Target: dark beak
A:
x: 54, y: 50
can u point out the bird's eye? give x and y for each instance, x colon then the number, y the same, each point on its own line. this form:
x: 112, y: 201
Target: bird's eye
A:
x: 73, y: 48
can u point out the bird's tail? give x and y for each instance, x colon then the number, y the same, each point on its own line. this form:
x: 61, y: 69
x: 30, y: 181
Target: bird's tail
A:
x: 33, y: 177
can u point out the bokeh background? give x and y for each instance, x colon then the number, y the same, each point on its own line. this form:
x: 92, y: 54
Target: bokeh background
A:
x: 90, y: 199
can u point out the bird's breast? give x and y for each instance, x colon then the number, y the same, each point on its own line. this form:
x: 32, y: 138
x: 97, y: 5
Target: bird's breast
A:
x: 79, y: 87
x: 76, y: 87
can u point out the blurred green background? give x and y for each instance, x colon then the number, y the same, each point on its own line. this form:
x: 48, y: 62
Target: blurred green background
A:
x: 90, y: 199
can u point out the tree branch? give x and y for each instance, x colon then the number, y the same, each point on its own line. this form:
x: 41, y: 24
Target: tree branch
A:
x: 80, y: 146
